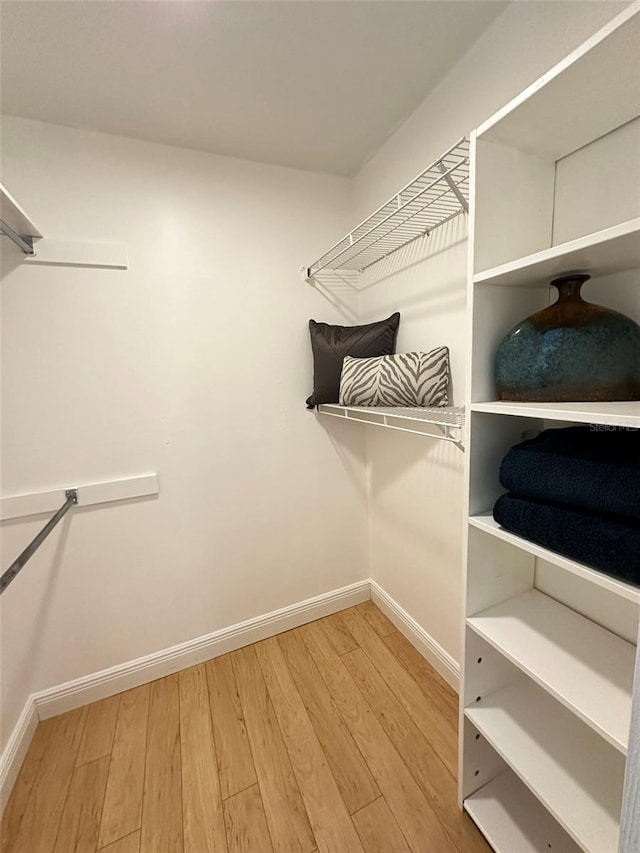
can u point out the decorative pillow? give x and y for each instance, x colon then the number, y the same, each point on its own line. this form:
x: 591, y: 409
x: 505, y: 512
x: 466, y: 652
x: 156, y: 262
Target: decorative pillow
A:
x: 330, y: 344
x: 405, y: 379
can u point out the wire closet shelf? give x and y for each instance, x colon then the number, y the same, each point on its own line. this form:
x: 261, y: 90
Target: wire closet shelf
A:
x: 448, y: 420
x: 437, y: 195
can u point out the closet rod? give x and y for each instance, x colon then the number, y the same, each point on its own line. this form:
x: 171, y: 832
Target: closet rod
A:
x: 32, y: 547
x: 25, y: 242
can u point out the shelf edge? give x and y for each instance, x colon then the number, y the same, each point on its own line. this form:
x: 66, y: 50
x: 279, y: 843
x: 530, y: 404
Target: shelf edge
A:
x: 598, y: 238
x: 486, y: 524
x: 553, y: 412
x: 544, y: 684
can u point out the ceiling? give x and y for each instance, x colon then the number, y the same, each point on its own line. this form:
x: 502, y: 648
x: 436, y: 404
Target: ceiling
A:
x: 311, y: 84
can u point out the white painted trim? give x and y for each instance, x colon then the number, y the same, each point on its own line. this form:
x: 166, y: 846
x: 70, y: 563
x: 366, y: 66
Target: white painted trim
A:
x: 16, y: 749
x: 63, y: 253
x: 108, y: 682
x: 99, y: 685
x: 17, y: 506
x: 432, y: 651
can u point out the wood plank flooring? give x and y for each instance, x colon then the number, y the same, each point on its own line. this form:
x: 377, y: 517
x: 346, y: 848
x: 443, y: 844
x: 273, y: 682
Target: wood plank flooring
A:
x: 336, y: 737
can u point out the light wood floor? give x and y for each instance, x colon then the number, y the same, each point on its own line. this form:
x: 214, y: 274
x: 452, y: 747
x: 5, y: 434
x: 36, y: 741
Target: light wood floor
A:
x: 336, y: 737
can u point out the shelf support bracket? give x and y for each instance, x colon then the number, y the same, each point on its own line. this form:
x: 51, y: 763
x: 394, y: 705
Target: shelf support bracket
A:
x: 452, y: 186
x: 25, y: 243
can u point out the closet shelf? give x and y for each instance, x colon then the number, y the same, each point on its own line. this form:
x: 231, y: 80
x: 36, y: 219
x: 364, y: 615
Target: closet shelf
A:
x: 435, y: 196
x: 602, y: 253
x: 572, y: 771
x: 585, y: 667
x: 547, y: 689
x: 15, y: 224
x: 512, y: 819
x: 448, y: 419
x: 488, y: 524
x: 625, y: 413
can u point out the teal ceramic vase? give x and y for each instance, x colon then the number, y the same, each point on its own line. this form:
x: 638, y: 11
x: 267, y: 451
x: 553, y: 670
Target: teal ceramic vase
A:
x: 571, y: 351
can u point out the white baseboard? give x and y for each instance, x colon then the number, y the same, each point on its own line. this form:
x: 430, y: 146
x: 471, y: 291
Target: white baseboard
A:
x: 16, y: 750
x: 99, y: 685
x: 432, y: 651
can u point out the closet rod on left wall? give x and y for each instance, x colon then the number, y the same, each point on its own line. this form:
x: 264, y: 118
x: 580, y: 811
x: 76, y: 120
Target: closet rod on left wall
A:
x: 17, y: 565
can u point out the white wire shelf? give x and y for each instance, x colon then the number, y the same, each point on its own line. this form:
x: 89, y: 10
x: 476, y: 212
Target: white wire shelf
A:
x: 448, y: 419
x: 435, y: 196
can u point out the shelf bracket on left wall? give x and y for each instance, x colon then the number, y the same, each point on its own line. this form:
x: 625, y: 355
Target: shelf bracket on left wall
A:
x: 18, y: 227
x: 62, y: 253
x: 23, y: 241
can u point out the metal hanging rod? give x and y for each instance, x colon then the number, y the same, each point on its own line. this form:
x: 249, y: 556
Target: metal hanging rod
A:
x: 17, y: 565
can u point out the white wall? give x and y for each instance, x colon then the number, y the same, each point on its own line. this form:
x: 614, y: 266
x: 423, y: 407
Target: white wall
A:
x: 194, y: 363
x: 416, y: 486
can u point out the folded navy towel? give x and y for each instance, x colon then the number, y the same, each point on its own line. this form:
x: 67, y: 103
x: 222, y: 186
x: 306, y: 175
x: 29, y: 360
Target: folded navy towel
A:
x: 608, y: 543
x: 580, y: 467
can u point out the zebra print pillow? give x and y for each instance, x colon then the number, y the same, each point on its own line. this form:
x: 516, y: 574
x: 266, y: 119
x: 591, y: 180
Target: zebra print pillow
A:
x: 404, y: 379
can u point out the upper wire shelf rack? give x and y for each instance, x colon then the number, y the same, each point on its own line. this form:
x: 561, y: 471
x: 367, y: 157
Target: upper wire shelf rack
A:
x: 437, y: 195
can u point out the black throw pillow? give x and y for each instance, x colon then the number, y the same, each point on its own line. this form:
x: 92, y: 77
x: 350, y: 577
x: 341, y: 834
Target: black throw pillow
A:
x: 330, y: 344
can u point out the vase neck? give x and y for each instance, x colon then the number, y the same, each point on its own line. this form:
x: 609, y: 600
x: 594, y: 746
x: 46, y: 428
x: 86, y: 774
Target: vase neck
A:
x: 569, y: 287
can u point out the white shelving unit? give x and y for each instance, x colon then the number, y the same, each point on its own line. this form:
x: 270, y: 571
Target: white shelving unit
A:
x: 448, y: 420
x: 435, y: 196
x: 570, y: 770
x: 510, y: 821
x: 587, y: 668
x: 547, y: 674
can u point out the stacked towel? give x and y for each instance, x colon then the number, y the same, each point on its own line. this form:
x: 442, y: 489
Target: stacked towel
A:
x: 576, y: 491
x: 608, y: 543
x: 578, y: 467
